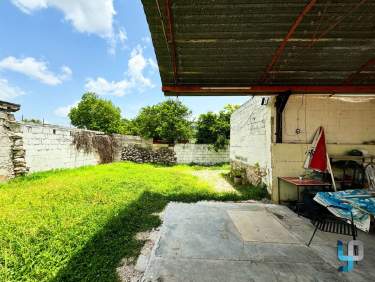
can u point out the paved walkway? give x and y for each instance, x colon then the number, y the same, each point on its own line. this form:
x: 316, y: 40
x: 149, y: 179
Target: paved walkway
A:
x: 211, y: 241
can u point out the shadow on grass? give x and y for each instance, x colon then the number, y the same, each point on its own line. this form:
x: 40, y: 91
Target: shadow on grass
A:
x: 100, y: 257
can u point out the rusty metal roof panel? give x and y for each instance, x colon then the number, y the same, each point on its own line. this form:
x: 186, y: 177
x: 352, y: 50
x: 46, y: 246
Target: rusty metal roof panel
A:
x: 263, y: 42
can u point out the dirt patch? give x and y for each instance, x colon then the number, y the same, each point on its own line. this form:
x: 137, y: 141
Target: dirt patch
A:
x: 215, y: 178
x: 132, y: 269
x: 126, y: 271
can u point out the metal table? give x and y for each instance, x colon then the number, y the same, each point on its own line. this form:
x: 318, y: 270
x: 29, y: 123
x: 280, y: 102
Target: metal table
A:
x: 305, y: 183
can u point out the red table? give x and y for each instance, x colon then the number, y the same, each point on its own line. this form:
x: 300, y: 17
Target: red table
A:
x: 305, y: 183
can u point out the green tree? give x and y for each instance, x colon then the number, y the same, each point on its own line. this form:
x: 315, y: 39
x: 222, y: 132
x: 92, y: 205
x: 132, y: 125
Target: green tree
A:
x: 32, y: 120
x: 167, y: 121
x: 213, y: 128
x: 94, y: 113
x: 206, y: 128
x: 129, y: 127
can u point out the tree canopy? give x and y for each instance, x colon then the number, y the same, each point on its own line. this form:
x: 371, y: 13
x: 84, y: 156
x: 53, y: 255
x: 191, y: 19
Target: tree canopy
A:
x: 32, y: 120
x: 167, y: 121
x: 94, y: 113
x: 214, y: 128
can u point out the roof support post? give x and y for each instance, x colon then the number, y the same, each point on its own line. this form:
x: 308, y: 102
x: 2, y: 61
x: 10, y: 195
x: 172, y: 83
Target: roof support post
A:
x: 281, y: 101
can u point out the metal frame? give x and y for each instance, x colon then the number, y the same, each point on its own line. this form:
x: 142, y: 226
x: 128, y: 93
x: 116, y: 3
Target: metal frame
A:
x: 368, y: 64
x: 171, y: 41
x: 263, y: 90
x: 279, y: 51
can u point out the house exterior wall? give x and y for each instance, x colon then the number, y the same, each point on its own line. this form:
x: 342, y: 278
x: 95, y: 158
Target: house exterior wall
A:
x: 348, y: 123
x: 250, y: 137
x: 288, y: 159
x: 344, y: 121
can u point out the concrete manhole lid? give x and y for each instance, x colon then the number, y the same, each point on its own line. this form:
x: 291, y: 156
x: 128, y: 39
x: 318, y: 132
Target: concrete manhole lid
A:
x: 260, y: 226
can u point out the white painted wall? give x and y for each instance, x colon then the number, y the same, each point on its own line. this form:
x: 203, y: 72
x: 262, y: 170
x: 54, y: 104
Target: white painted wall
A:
x: 199, y: 154
x: 50, y: 147
x: 250, y: 136
x: 344, y: 121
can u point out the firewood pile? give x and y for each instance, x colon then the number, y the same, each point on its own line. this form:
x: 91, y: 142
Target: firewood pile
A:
x: 139, y: 154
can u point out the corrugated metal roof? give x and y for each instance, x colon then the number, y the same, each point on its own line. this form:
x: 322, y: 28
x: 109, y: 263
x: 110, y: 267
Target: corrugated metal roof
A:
x: 217, y: 43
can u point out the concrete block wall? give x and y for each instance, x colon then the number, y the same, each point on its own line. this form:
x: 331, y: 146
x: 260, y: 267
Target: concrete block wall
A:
x: 50, y: 147
x: 250, y: 137
x: 199, y: 154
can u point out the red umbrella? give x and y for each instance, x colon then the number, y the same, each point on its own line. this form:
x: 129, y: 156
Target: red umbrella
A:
x: 317, y: 156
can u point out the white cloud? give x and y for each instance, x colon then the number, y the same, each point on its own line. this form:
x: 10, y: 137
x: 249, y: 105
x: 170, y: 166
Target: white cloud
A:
x: 86, y: 16
x: 35, y: 69
x: 8, y: 92
x: 103, y: 87
x: 146, y: 39
x: 136, y: 65
x: 153, y: 64
x: 120, y: 37
x: 64, y: 110
x: 135, y: 77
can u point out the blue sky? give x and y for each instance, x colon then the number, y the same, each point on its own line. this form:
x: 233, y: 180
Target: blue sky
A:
x: 52, y: 51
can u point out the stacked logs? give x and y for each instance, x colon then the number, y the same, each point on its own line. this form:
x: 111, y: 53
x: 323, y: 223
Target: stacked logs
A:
x: 139, y: 154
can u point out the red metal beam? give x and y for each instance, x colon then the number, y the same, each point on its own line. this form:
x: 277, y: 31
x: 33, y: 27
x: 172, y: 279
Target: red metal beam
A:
x: 361, y: 69
x: 266, y: 90
x: 279, y: 51
x: 171, y: 41
x: 333, y: 25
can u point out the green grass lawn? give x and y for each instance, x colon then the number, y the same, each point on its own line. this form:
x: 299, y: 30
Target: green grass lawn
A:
x: 77, y: 225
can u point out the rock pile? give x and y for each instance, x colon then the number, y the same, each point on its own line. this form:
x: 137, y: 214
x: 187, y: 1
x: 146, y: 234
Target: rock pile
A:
x: 139, y: 154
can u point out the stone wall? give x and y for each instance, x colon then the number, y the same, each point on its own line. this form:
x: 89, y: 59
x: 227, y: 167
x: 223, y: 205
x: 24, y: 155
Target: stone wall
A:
x: 199, y: 154
x: 12, y: 153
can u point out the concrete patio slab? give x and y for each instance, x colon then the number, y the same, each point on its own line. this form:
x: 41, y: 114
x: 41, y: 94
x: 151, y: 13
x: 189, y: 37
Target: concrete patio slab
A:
x: 209, y: 241
x: 260, y: 226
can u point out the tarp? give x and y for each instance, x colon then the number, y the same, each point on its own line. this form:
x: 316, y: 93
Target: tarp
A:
x: 361, y: 202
